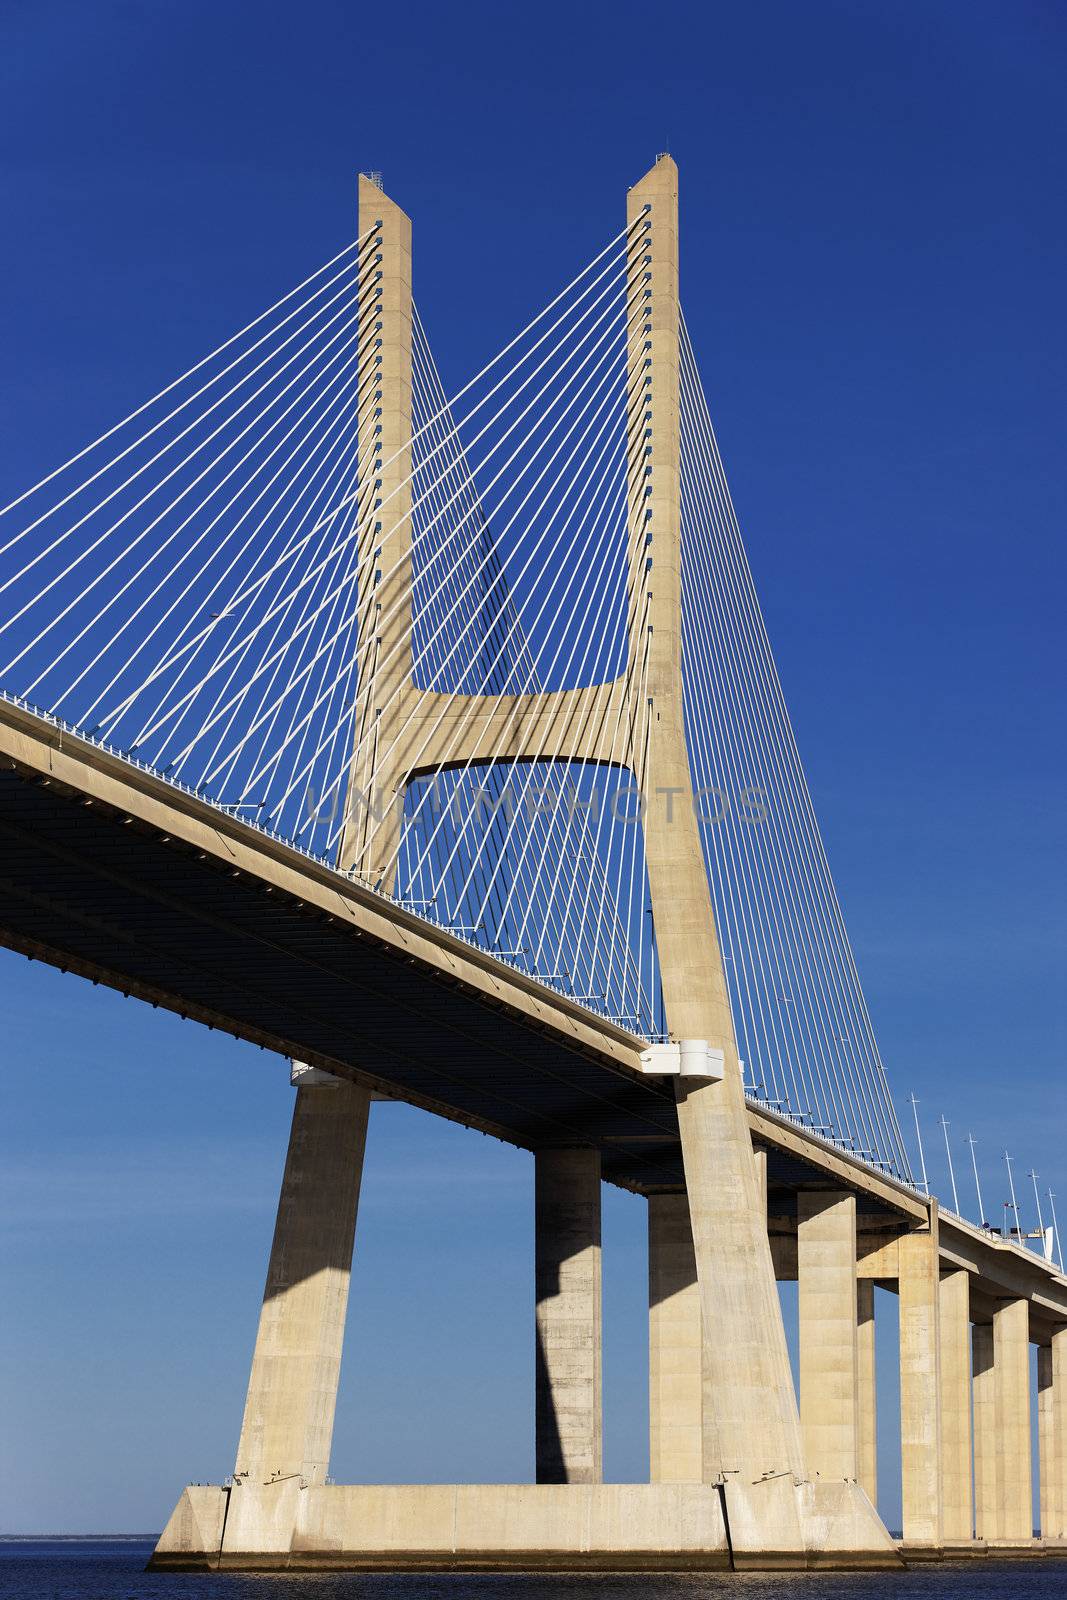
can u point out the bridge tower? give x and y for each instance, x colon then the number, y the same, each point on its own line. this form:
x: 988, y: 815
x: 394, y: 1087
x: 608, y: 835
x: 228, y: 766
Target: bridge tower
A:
x: 249, y: 638
x: 724, y: 1414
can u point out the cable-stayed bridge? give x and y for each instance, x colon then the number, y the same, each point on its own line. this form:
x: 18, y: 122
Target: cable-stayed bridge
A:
x: 435, y: 740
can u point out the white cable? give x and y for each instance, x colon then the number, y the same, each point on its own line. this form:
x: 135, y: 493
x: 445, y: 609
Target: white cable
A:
x: 158, y: 550
x: 880, y: 1100
x: 237, y: 556
x: 324, y: 492
x: 489, y: 890
x: 170, y: 387
x: 184, y: 433
x: 241, y: 597
x: 166, y: 479
x: 579, y: 571
x: 390, y: 654
x: 841, y: 1017
x: 559, y: 447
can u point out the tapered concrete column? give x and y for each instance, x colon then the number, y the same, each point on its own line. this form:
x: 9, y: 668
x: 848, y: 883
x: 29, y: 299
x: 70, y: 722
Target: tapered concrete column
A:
x: 1011, y: 1364
x: 985, y: 1432
x: 1047, y: 1465
x: 867, y: 1390
x: 753, y: 1427
x: 829, y: 1375
x: 957, y: 1505
x: 292, y: 1392
x: 1058, y: 1440
x: 383, y: 511
x: 920, y: 1368
x: 567, y: 1253
x: 675, y: 1372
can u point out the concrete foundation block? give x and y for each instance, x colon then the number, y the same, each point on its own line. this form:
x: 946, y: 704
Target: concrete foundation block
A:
x: 774, y: 1524
x: 193, y: 1536
x: 842, y: 1527
x: 261, y: 1518
x: 778, y: 1523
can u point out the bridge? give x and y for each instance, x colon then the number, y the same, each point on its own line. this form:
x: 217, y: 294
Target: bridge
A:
x: 435, y: 743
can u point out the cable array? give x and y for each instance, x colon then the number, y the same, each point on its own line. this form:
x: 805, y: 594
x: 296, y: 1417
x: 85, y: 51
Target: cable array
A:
x: 510, y: 852
x: 219, y: 587
x: 163, y: 602
x: 799, y: 1011
x: 197, y: 589
x: 520, y: 572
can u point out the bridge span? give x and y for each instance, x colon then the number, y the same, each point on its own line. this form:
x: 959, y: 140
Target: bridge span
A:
x: 288, y: 689
x: 112, y: 872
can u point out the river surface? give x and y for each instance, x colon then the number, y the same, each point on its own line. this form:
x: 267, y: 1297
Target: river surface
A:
x: 113, y: 1569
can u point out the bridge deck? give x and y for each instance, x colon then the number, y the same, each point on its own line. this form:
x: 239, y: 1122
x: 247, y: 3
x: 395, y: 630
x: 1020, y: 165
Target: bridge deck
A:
x: 110, y: 871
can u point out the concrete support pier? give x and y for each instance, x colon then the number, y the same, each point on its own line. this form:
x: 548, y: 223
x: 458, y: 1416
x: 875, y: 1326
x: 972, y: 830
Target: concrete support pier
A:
x: 1047, y: 1465
x: 920, y: 1398
x: 985, y: 1433
x: 292, y: 1391
x: 867, y: 1392
x: 957, y: 1503
x: 675, y: 1370
x: 1011, y: 1369
x: 1053, y: 1443
x: 567, y: 1267
x: 829, y: 1342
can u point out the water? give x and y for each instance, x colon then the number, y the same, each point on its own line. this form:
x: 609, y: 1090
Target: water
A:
x: 113, y: 1569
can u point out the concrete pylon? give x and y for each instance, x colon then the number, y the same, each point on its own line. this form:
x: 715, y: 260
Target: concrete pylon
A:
x: 292, y: 1391
x: 675, y: 1368
x: 383, y: 477
x: 1011, y: 1367
x: 866, y: 1366
x: 829, y: 1332
x: 920, y: 1385
x: 569, y: 1444
x: 1047, y: 1464
x: 1057, y: 1454
x: 753, y: 1428
x: 986, y: 1467
x: 957, y: 1507
x: 756, y: 1494
x: 752, y: 1440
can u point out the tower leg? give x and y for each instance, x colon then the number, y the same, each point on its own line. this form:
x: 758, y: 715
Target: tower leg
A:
x: 868, y: 1388
x: 292, y: 1391
x: 920, y: 1386
x: 829, y: 1355
x: 753, y: 1427
x: 957, y: 1499
x: 1011, y: 1365
x: 567, y: 1252
x: 675, y: 1370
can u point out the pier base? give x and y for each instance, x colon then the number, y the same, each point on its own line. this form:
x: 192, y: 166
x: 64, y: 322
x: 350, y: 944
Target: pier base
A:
x: 693, y: 1527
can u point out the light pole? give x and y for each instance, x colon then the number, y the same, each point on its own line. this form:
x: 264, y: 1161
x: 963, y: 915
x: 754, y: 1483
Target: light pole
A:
x: 978, y: 1187
x: 951, y: 1168
x: 919, y: 1141
x: 1014, y: 1203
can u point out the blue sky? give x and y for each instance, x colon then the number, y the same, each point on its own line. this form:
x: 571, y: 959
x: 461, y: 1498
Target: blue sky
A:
x: 873, y: 267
